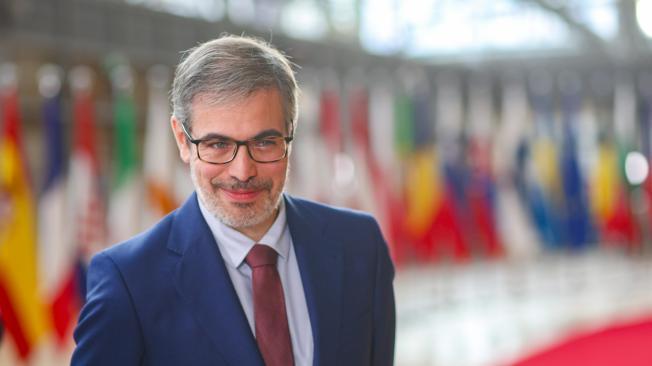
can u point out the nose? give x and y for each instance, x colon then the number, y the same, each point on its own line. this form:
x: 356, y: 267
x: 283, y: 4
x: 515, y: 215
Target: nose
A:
x: 242, y: 167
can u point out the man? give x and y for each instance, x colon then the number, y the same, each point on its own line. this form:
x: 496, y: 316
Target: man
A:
x: 240, y: 274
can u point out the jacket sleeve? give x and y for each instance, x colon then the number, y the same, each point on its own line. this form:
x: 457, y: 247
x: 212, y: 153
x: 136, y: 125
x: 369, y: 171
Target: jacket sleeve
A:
x: 384, y: 306
x: 108, y: 331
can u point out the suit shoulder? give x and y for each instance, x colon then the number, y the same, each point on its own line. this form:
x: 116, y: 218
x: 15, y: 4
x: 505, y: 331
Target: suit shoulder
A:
x: 143, y: 246
x: 332, y: 212
x: 337, y: 220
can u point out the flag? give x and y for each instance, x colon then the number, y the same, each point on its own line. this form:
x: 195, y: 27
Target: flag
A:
x: 588, y: 147
x: 542, y: 172
x: 576, y: 206
x: 423, y: 199
x: 125, y: 202
x: 159, y: 157
x: 330, y: 118
x: 383, y: 165
x: 399, y: 218
x: 332, y: 143
x: 57, y: 254
x: 543, y: 189
x: 610, y: 189
x: 605, y: 183
x: 423, y: 182
x: 85, y: 200
x: 448, y: 228
x: 481, y: 189
x: 21, y: 307
x: 403, y: 125
x: 363, y: 192
x: 646, y: 133
x: 514, y: 224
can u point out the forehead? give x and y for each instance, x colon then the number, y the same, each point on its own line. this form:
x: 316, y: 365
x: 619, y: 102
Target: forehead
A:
x: 238, y: 117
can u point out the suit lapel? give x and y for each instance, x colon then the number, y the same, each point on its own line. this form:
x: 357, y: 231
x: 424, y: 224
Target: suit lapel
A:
x: 203, y: 282
x: 320, y: 264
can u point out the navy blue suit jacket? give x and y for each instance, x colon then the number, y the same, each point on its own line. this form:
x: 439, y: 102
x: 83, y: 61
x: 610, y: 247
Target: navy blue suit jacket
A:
x: 165, y: 297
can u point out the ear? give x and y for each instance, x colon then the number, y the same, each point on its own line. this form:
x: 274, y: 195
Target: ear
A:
x: 180, y: 138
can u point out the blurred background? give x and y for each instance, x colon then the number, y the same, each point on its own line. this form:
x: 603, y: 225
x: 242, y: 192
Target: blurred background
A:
x: 503, y: 145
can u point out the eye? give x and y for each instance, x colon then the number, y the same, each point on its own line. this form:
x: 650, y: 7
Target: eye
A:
x: 218, y: 144
x: 265, y: 143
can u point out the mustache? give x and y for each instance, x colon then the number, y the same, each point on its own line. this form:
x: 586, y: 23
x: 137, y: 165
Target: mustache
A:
x: 252, y: 184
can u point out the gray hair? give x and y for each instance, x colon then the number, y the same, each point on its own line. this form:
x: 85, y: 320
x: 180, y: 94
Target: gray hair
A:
x: 232, y: 67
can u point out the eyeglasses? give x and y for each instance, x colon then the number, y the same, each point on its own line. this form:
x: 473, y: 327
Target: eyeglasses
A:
x: 223, y: 150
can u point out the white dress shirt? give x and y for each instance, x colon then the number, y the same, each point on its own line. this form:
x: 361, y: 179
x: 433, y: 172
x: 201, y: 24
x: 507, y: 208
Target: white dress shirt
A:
x: 234, y: 246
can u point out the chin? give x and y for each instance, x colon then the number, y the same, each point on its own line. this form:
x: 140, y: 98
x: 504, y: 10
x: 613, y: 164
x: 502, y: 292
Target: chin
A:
x: 239, y: 215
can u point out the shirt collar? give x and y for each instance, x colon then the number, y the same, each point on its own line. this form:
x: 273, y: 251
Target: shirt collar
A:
x: 235, y: 246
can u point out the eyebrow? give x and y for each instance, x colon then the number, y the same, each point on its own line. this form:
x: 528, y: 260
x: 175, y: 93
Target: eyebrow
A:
x: 261, y: 135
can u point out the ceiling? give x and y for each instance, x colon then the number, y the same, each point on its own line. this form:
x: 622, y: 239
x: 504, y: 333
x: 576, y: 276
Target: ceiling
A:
x: 443, y: 31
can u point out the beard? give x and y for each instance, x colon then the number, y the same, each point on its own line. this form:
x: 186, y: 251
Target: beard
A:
x: 235, y: 214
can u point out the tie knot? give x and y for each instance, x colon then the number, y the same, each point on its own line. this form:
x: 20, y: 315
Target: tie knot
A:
x: 261, y: 255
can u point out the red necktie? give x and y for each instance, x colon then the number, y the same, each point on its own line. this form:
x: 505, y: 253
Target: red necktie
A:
x: 272, y: 332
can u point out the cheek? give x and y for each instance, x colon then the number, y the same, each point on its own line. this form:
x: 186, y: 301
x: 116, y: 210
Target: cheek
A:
x: 278, y: 173
x: 206, y: 172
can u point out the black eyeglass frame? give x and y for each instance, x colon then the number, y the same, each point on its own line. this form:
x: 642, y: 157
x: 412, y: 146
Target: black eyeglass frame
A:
x: 238, y: 143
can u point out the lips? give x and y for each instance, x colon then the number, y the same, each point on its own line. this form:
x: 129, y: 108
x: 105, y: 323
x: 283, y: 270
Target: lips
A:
x: 241, y: 195
x: 237, y: 191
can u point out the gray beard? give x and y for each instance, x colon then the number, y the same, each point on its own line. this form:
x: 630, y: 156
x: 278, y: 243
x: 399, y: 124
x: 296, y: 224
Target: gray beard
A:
x: 241, y: 215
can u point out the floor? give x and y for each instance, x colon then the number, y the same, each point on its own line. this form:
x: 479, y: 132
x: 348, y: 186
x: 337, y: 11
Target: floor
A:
x: 492, y: 313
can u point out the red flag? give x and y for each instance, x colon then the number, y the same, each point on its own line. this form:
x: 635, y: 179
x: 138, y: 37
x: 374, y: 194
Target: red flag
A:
x: 383, y: 165
x: 159, y: 157
x: 21, y: 308
x: 330, y: 120
x: 84, y: 179
x: 58, y: 255
x: 387, y: 208
x: 481, y: 185
x: 331, y: 135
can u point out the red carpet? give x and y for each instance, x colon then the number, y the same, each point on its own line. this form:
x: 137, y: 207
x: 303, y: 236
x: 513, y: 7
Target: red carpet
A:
x: 622, y: 345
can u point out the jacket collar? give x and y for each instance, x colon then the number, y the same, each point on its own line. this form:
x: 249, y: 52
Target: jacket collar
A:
x: 204, y: 284
x: 320, y: 263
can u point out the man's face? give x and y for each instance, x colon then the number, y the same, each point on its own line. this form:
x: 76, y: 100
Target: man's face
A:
x: 242, y: 194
